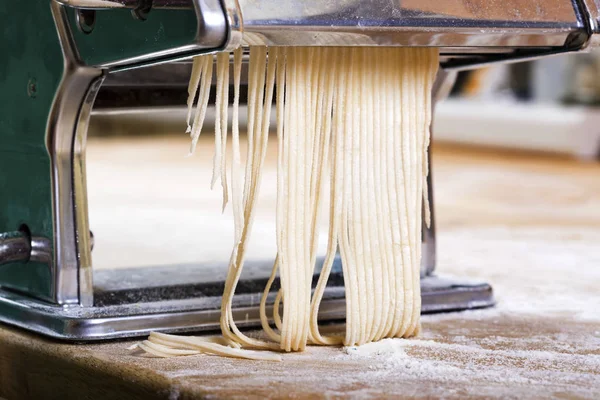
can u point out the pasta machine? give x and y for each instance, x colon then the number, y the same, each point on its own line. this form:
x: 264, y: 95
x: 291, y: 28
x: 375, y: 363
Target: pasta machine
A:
x: 57, y: 55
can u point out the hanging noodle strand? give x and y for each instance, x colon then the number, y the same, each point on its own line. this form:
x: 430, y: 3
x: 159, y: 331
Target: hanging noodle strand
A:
x: 352, y: 125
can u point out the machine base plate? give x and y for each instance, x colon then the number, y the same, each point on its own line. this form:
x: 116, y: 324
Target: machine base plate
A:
x: 202, y: 314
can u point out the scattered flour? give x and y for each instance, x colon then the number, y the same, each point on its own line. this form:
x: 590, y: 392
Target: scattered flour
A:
x: 414, y: 368
x: 387, y: 347
x: 533, y: 270
x: 542, y: 339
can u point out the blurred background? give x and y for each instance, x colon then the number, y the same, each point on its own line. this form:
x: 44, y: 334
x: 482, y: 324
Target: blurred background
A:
x: 545, y: 105
x: 513, y: 145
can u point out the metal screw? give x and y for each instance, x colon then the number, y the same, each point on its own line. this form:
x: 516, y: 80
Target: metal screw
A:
x: 86, y: 20
x: 141, y: 11
x: 32, y: 87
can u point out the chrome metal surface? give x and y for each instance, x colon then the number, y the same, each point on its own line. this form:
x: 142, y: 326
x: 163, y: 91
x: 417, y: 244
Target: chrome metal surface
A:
x: 429, y: 248
x: 102, y: 4
x: 201, y: 314
x: 464, y: 23
x: 235, y: 24
x: 449, y: 23
x: 14, y: 247
x: 82, y: 226
x: 67, y: 206
x: 41, y: 250
x: 590, y: 10
x: 64, y: 117
x: 18, y: 247
x: 441, y: 88
x: 212, y: 35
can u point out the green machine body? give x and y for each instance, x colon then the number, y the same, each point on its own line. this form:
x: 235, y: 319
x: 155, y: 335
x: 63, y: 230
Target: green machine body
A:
x: 54, y: 60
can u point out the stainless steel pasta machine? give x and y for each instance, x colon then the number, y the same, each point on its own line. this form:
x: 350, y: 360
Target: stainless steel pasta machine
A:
x: 57, y: 55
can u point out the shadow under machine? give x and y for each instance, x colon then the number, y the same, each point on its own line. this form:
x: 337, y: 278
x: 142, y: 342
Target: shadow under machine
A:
x: 60, y: 55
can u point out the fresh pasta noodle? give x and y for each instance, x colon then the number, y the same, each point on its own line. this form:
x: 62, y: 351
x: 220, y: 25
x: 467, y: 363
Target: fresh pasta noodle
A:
x: 359, y: 116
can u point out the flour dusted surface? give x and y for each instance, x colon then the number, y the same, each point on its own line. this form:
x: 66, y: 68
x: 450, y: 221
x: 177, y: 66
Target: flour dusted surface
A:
x: 510, y: 351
